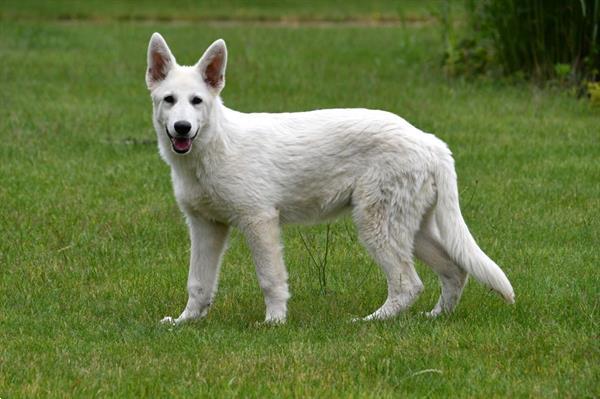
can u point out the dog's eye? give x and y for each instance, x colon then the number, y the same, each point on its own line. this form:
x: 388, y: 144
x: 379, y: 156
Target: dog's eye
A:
x: 169, y: 99
x: 196, y: 100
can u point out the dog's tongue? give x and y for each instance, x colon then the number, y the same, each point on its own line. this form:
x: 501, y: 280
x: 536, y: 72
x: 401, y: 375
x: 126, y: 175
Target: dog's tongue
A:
x: 182, y: 144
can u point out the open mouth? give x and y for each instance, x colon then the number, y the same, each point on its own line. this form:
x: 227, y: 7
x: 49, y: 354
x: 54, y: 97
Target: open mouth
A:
x: 181, y: 145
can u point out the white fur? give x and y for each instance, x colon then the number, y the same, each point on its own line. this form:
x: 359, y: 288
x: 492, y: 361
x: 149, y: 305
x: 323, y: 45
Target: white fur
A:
x: 258, y: 171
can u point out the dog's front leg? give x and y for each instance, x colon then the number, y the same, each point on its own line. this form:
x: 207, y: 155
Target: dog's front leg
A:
x: 208, y: 241
x: 263, y: 235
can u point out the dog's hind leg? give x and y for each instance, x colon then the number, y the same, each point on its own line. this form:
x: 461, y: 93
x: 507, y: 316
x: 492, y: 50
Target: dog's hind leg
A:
x: 387, y: 220
x: 452, y: 277
x: 263, y: 236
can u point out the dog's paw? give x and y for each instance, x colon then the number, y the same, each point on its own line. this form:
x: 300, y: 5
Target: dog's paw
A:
x: 434, y: 313
x: 276, y: 315
x: 184, y: 317
x: 168, y: 321
x: 260, y: 325
x: 375, y: 316
x: 364, y: 319
x: 178, y: 321
x: 274, y: 321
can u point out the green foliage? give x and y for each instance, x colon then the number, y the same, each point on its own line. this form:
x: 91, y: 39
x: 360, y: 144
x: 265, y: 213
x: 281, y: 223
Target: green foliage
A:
x: 465, y: 55
x: 593, y: 89
x: 563, y: 71
x: 536, y: 36
x: 467, y: 58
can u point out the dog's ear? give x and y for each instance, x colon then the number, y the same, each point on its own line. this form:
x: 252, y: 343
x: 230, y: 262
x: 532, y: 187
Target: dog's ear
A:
x: 160, y: 60
x: 212, y: 65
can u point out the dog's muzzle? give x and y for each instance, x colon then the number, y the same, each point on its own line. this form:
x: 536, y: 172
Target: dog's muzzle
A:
x: 181, y: 144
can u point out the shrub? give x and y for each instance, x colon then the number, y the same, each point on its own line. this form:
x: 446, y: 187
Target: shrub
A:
x: 541, y: 39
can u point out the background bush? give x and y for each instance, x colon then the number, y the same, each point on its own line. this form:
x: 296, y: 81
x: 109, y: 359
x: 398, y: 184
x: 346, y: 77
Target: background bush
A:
x: 540, y: 39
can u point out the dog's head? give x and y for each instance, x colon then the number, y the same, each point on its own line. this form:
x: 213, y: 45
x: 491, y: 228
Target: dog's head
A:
x: 183, y: 96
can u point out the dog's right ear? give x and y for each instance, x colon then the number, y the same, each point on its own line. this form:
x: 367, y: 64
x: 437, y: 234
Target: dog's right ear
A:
x: 160, y: 61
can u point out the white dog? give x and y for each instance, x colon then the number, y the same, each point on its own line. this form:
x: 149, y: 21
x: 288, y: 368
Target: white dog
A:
x: 258, y: 171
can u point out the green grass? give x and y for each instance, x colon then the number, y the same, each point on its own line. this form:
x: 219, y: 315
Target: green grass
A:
x: 262, y: 10
x: 93, y: 250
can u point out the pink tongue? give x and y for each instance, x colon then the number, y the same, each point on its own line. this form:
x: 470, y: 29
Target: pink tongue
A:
x: 182, y: 144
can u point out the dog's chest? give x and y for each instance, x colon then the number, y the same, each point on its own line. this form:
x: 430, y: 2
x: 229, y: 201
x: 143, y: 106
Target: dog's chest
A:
x: 198, y: 194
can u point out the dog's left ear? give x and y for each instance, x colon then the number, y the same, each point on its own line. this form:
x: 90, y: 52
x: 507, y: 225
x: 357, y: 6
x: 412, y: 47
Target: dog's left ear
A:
x: 212, y: 65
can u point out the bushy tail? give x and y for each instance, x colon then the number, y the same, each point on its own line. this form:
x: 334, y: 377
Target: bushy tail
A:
x: 455, y: 236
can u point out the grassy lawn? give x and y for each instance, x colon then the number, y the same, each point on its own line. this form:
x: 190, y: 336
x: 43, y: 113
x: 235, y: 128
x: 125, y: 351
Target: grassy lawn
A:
x: 93, y: 250
x: 261, y: 10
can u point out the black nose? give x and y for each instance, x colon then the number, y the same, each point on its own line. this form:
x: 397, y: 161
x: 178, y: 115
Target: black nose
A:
x: 182, y: 127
